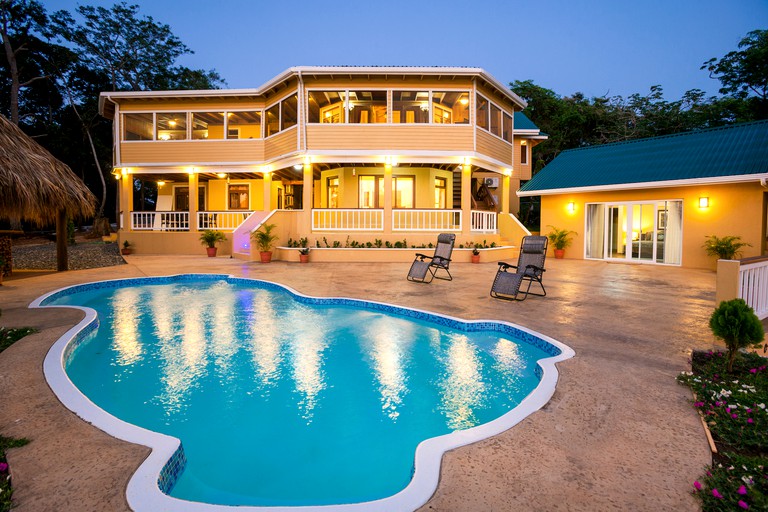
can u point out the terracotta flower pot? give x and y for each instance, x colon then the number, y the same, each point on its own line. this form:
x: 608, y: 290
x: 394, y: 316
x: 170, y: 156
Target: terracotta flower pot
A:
x: 475, y: 258
x: 303, y: 258
x: 266, y: 257
x: 211, y: 251
x: 559, y: 253
x: 125, y: 252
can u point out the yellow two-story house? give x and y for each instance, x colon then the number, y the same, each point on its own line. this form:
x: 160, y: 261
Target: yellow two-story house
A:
x: 330, y: 154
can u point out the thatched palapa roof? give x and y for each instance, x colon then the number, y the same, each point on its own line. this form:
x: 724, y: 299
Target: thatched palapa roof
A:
x: 34, y: 185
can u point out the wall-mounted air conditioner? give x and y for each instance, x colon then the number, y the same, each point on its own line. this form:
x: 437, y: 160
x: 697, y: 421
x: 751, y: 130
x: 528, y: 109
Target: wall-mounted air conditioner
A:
x: 492, y: 182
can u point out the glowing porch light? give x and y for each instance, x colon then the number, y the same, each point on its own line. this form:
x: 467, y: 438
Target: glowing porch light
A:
x: 464, y: 101
x: 571, y: 207
x: 160, y: 183
x: 221, y: 175
x: 298, y: 167
x: 704, y: 202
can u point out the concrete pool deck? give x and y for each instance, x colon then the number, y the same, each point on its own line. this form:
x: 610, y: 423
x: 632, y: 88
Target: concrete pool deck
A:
x: 618, y: 434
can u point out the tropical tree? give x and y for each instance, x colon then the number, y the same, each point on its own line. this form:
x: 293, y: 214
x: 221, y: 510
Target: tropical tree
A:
x: 117, y: 49
x: 135, y: 52
x: 743, y: 73
x: 20, y: 21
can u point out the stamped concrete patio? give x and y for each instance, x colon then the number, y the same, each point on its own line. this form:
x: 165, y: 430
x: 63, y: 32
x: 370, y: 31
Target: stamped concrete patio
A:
x: 618, y: 434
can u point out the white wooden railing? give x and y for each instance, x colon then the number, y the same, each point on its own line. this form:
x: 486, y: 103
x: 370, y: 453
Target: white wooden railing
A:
x: 221, y: 221
x: 483, y: 222
x: 426, y: 220
x: 160, y: 221
x: 363, y: 219
x: 753, y: 284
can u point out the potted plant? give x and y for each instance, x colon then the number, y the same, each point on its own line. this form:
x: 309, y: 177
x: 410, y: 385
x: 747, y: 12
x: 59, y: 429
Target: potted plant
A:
x: 304, y: 255
x: 265, y: 240
x: 560, y: 239
x: 209, y: 238
x: 476, y: 254
x: 725, y: 248
x: 126, y: 250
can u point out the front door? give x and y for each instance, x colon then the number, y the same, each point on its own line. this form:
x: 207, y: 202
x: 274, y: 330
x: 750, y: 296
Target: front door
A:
x: 181, y: 199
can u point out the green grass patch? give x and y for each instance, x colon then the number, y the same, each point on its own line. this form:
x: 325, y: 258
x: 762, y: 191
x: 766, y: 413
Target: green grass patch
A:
x: 10, y: 336
x: 735, y: 407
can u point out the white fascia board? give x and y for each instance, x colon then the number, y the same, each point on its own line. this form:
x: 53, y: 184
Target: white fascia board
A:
x: 648, y: 184
x: 319, y: 70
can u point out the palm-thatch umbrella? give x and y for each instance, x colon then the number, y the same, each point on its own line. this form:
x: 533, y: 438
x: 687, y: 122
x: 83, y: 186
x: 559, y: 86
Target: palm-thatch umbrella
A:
x: 36, y: 187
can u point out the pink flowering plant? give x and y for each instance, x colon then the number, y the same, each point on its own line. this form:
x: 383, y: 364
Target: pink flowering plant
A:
x: 734, y: 405
x: 6, y: 492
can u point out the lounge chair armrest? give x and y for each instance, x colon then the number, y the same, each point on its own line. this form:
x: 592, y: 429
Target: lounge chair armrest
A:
x: 422, y: 256
x: 504, y: 265
x: 534, y: 267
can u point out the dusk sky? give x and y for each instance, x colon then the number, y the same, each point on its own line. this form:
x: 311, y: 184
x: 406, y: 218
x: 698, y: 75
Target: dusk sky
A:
x: 597, y: 47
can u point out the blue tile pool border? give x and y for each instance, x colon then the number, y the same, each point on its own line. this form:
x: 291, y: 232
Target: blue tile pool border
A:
x: 149, y: 487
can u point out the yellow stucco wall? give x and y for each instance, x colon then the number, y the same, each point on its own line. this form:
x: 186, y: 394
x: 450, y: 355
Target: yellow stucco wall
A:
x: 424, y: 183
x: 734, y: 209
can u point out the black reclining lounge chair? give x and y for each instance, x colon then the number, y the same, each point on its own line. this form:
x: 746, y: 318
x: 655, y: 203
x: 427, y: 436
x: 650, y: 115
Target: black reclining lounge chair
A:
x: 530, y: 267
x: 424, y: 268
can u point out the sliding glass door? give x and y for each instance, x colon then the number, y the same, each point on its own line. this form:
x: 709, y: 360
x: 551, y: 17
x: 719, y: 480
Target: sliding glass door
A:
x: 638, y: 231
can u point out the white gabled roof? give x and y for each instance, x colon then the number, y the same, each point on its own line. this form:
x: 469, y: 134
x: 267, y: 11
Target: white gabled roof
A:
x: 317, y: 70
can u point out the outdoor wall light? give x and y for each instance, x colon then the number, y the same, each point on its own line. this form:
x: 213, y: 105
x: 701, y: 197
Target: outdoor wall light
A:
x: 221, y: 175
x: 571, y: 207
x: 298, y: 167
x: 704, y: 202
x: 160, y: 183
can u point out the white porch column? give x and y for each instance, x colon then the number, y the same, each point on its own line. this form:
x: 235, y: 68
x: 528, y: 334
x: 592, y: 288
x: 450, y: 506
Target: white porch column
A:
x: 466, y: 199
x: 193, y: 198
x: 306, y: 201
x: 267, y: 191
x: 387, y: 198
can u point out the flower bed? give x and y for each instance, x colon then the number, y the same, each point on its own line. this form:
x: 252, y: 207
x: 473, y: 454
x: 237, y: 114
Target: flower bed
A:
x: 7, y: 338
x: 735, y: 408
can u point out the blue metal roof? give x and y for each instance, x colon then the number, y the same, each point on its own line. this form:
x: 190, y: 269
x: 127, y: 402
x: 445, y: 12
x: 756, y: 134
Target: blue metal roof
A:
x: 734, y: 150
x: 523, y: 123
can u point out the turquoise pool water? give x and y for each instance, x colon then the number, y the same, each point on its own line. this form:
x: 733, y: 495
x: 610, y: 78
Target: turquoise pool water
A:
x: 286, y: 400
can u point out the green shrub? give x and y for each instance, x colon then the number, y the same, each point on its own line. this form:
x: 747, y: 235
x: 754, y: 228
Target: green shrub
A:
x: 725, y: 248
x: 737, y: 325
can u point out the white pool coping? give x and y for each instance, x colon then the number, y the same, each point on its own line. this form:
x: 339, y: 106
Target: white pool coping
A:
x: 143, y: 493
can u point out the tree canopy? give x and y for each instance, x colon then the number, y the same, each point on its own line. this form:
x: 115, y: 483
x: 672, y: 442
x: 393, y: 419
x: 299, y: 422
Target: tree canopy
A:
x: 575, y: 121
x: 55, y: 66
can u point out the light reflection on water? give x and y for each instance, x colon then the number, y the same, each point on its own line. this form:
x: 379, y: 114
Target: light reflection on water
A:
x: 388, y: 349
x: 220, y: 355
x: 462, y: 387
x: 264, y: 339
x: 125, y: 326
x: 306, y: 344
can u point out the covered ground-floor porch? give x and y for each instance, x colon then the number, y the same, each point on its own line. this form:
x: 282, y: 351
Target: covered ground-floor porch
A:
x: 339, y: 205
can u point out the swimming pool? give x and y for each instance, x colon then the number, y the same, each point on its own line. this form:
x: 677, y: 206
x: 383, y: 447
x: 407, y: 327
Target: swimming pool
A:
x: 339, y: 372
